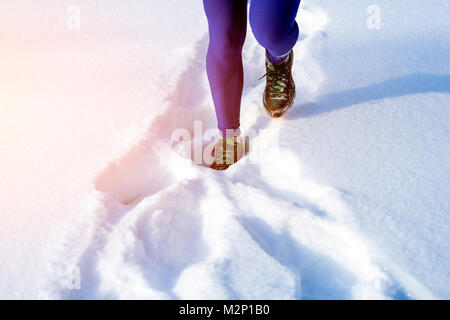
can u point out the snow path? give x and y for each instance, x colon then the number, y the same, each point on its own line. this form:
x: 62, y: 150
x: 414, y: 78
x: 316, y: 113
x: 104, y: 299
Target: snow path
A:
x: 157, y: 226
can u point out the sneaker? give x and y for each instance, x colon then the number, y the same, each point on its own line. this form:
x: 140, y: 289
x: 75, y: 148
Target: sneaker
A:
x: 279, y: 94
x: 226, y: 152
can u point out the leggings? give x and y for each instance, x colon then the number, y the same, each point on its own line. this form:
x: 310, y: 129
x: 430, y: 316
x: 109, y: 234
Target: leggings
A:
x: 274, y: 27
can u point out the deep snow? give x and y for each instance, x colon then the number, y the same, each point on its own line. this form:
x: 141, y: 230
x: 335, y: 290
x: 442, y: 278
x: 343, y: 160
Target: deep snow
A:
x: 353, y: 203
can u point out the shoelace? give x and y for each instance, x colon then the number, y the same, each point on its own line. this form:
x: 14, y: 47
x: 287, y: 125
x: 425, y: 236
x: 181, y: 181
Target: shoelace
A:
x: 224, y: 151
x: 277, y: 82
x: 228, y: 150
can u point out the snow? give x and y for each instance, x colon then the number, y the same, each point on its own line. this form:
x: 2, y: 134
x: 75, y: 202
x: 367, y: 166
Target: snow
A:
x: 350, y: 202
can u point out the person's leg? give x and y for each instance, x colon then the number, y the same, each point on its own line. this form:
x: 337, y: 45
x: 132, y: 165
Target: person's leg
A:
x: 227, y: 20
x: 274, y: 26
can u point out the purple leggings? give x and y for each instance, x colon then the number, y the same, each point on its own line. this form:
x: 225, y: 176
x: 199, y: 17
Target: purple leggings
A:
x: 274, y: 27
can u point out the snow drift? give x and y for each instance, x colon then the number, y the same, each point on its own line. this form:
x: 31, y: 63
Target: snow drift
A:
x: 353, y: 203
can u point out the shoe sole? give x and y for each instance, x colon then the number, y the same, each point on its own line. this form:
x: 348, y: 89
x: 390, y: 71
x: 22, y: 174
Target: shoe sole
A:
x: 276, y: 115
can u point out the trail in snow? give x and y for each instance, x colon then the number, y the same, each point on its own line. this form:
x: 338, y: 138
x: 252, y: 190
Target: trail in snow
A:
x: 356, y: 205
x: 159, y: 227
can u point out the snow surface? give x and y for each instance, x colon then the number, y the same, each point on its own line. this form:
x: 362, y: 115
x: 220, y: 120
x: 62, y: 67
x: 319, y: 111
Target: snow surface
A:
x: 353, y: 204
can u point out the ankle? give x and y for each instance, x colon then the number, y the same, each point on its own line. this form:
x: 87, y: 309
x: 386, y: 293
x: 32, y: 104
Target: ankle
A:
x: 226, y: 133
x: 276, y: 60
